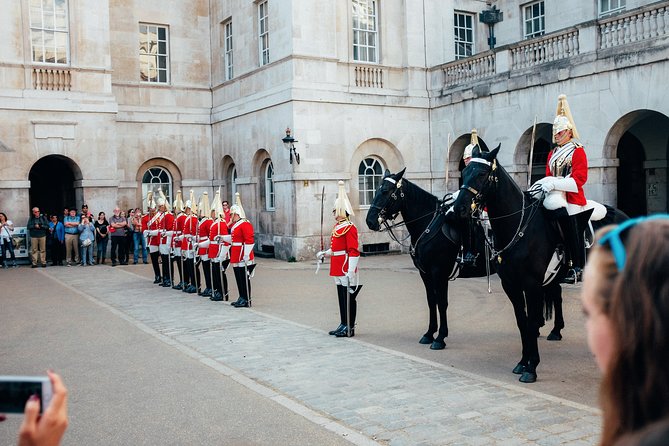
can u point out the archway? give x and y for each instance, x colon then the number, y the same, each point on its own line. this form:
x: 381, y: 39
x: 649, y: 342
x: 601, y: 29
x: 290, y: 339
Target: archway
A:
x: 52, y: 184
x: 640, y: 141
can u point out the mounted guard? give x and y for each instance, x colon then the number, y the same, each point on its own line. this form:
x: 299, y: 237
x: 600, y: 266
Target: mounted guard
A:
x: 344, y: 255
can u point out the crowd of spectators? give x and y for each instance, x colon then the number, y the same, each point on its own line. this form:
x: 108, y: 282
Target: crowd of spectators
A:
x: 77, y: 238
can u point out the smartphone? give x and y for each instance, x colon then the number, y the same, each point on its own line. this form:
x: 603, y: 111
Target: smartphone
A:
x: 15, y: 391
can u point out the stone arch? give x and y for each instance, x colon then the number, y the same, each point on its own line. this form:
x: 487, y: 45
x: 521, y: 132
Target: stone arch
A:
x: 55, y: 183
x: 637, y: 151
x: 164, y: 163
x: 379, y: 148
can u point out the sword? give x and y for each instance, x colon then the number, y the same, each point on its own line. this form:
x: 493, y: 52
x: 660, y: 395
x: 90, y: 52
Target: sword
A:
x: 322, y: 259
x: 529, y: 174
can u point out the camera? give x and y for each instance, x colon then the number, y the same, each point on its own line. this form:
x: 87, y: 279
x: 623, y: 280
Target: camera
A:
x: 15, y: 391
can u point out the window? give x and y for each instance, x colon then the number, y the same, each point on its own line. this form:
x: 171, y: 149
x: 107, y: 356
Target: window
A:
x: 269, y: 186
x: 610, y: 7
x: 263, y: 32
x: 155, y: 179
x: 231, y: 182
x: 534, y: 19
x: 227, y: 46
x: 153, y: 54
x: 49, y: 31
x: 370, y: 175
x: 365, y: 31
x: 464, y: 35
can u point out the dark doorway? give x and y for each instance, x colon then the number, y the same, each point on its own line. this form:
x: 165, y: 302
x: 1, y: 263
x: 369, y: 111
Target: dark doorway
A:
x: 631, y: 176
x: 52, y: 184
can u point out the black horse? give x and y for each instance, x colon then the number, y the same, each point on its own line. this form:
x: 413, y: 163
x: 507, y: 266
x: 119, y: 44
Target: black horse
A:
x: 524, y: 242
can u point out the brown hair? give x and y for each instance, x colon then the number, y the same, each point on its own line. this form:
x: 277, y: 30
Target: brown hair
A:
x: 635, y: 388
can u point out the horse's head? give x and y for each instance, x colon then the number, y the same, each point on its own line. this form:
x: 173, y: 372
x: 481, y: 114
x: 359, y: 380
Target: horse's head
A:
x: 387, y: 200
x: 476, y: 180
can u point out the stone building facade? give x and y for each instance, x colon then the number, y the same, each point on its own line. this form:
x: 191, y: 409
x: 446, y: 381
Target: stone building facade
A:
x: 99, y: 104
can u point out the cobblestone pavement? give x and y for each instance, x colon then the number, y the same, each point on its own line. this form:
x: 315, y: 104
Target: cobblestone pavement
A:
x: 367, y: 393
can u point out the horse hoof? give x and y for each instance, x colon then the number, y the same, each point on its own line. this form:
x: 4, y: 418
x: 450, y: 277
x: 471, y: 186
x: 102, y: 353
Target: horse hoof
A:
x: 436, y: 345
x: 425, y: 340
x: 553, y: 336
x: 528, y: 377
x: 518, y: 369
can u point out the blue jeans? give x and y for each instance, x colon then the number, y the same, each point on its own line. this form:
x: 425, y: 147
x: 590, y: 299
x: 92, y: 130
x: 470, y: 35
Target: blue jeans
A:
x: 86, y: 254
x: 140, y: 243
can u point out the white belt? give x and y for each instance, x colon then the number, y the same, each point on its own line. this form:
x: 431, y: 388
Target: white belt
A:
x: 339, y: 253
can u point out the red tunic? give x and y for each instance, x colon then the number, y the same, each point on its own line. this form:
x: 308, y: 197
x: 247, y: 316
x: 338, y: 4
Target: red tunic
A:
x: 242, y: 234
x: 344, y: 244
x: 203, y: 234
x: 579, y: 172
x: 189, y: 228
x: 152, y: 223
x: 220, y: 227
x: 178, y: 229
x: 166, y: 223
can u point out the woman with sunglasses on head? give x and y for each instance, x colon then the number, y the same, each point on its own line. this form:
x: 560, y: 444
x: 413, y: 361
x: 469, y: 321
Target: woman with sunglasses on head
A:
x: 626, y: 302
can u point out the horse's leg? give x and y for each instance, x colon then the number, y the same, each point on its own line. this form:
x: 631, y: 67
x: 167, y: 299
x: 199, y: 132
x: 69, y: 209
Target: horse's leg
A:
x: 515, y: 295
x: 440, y: 290
x: 534, y: 299
x: 554, y: 291
x: 428, y: 337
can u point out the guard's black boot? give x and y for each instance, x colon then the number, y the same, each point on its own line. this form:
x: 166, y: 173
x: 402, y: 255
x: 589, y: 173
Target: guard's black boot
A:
x: 573, y: 228
x: 341, y: 297
x: 241, y: 303
x: 158, y: 280
x: 216, y: 296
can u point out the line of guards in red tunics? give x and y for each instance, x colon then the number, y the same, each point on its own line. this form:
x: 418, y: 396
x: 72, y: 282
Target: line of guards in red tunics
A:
x: 218, y: 239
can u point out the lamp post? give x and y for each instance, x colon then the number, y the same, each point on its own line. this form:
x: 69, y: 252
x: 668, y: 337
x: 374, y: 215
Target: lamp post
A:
x: 289, y: 143
x: 490, y: 17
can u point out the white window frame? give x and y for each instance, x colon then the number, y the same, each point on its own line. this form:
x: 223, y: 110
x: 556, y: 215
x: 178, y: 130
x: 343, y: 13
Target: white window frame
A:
x: 50, y: 32
x: 227, y: 50
x: 156, y: 176
x: 369, y: 180
x: 365, y: 27
x: 611, y: 7
x: 263, y: 32
x: 535, y: 18
x: 462, y: 44
x: 270, y: 202
x: 155, y: 54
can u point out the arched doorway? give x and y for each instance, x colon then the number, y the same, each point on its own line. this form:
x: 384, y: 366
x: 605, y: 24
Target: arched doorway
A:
x: 640, y: 142
x: 52, y: 184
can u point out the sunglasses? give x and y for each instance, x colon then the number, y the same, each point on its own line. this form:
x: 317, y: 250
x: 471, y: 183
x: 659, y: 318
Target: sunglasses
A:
x: 612, y: 238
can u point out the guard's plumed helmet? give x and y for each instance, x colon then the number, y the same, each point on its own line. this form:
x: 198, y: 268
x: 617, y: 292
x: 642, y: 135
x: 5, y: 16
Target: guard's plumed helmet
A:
x: 203, y: 206
x: 473, y: 142
x: 563, y: 119
x: 342, y: 205
x: 237, y: 207
x: 178, y: 202
x: 218, y: 205
x: 150, y: 202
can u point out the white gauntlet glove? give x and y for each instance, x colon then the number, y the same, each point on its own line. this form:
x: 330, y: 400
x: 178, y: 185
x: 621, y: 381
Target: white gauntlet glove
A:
x: 321, y: 254
x: 352, y: 265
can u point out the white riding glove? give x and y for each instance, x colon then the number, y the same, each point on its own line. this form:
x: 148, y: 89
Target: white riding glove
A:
x: 321, y: 254
x: 247, y: 252
x: 352, y: 265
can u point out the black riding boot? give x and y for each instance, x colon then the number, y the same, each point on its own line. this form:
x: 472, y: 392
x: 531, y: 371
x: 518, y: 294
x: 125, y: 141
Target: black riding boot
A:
x: 354, y: 311
x: 575, y: 246
x: 341, y: 297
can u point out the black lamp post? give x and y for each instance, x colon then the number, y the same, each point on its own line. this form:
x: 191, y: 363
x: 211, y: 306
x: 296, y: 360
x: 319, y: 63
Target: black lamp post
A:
x: 490, y: 17
x: 289, y: 143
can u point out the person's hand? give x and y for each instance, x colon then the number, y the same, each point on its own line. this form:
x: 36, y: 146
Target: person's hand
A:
x: 48, y: 429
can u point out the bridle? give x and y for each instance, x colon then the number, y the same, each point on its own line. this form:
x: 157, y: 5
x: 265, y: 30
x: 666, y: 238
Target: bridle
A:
x: 477, y: 207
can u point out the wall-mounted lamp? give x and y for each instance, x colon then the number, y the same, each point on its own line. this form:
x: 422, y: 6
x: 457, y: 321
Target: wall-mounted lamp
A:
x: 289, y: 143
x: 490, y: 17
